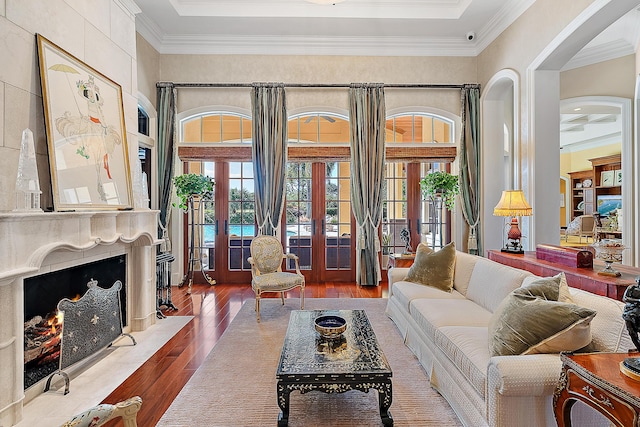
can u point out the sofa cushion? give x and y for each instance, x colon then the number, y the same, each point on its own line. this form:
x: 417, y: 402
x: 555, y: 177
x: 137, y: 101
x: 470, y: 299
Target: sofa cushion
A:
x: 527, y: 322
x: 433, y: 314
x: 467, y: 348
x: 405, y: 292
x: 491, y: 282
x: 608, y: 329
x: 464, y: 267
x: 434, y: 268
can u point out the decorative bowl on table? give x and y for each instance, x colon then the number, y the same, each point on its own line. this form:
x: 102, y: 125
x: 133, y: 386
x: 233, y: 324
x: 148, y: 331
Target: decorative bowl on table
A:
x: 609, y: 251
x: 330, y: 327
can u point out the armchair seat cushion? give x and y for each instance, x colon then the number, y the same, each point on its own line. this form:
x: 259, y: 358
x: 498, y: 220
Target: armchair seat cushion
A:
x: 277, y: 281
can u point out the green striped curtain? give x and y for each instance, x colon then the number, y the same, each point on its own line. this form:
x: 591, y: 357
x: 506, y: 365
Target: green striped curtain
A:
x: 367, y: 122
x: 269, y: 151
x: 166, y: 157
x: 470, y: 165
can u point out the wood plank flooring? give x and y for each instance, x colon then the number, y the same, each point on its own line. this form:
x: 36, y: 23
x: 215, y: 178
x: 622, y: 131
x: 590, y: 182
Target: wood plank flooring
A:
x: 162, y: 377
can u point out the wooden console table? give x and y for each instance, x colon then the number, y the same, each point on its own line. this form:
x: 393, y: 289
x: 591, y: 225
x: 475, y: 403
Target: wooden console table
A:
x: 582, y: 278
x: 401, y: 260
x: 595, y: 379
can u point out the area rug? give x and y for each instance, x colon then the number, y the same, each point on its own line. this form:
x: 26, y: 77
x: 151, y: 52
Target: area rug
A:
x: 236, y: 384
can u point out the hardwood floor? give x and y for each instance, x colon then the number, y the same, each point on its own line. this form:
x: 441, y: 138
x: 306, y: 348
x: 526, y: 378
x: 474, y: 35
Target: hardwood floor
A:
x: 162, y: 377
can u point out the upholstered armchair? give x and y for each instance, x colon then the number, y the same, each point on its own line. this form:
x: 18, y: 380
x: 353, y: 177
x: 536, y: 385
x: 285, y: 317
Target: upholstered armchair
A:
x: 581, y: 226
x: 100, y: 414
x: 266, y: 270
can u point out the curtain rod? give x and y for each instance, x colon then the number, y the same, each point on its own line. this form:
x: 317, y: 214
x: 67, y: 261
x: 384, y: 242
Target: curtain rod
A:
x: 316, y: 85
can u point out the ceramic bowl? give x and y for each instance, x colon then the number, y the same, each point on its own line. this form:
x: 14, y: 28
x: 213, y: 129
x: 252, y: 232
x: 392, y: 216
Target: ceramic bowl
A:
x: 330, y: 327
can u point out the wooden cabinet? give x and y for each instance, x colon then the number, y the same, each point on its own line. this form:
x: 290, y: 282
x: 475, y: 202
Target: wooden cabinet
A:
x: 582, y: 198
x: 585, y: 198
x: 607, y: 188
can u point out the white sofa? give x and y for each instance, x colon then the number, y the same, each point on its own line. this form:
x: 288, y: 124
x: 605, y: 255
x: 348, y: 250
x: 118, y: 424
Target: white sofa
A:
x: 448, y: 332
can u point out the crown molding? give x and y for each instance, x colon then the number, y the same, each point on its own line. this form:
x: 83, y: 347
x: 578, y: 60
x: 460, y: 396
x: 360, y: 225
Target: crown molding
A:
x: 337, y: 46
x: 500, y: 22
x: 603, y: 52
x: 129, y: 6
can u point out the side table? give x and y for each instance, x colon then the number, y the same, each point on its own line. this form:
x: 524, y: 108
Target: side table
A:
x: 595, y: 379
x: 401, y: 260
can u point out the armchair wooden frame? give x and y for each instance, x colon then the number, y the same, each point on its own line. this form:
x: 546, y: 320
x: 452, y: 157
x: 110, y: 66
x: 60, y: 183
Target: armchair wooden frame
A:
x: 266, y: 260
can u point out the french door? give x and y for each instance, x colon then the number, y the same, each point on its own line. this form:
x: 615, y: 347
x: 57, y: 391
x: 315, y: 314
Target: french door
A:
x: 318, y: 224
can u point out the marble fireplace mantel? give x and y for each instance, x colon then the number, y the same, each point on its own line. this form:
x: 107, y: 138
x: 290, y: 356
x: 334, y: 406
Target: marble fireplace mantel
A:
x: 36, y: 243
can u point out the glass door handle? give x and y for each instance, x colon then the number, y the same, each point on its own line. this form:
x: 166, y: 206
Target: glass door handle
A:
x: 313, y: 227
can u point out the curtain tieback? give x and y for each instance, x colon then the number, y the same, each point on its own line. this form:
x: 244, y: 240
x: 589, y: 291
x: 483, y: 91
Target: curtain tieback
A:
x: 472, y: 241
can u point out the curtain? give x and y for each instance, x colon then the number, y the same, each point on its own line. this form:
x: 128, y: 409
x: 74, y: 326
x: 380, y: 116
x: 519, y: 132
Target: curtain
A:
x: 166, y: 157
x: 367, y: 121
x: 269, y: 152
x: 470, y: 165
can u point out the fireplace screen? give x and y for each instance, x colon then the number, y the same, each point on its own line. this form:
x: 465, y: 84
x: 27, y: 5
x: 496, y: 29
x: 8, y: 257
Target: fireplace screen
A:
x: 88, y: 325
x: 42, y: 327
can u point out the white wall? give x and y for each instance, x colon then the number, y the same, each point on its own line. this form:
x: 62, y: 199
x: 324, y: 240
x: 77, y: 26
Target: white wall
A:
x: 100, y: 32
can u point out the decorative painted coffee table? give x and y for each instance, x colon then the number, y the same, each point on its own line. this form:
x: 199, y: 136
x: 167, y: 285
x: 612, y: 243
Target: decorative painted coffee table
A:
x: 354, y: 361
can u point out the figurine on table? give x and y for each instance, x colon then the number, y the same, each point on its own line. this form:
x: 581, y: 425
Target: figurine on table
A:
x: 406, y: 238
x: 631, y: 312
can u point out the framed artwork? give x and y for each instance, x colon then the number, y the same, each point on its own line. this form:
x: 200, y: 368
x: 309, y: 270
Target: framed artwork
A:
x: 617, y: 180
x: 606, y: 178
x: 86, y: 136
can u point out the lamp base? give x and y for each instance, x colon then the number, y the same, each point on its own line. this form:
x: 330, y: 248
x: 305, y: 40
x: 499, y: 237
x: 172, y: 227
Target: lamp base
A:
x: 512, y: 250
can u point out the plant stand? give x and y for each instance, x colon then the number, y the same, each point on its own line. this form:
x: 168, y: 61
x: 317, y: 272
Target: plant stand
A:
x: 192, y: 259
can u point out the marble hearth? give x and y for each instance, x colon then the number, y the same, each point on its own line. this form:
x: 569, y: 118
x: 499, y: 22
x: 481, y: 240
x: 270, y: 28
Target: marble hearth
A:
x: 36, y: 243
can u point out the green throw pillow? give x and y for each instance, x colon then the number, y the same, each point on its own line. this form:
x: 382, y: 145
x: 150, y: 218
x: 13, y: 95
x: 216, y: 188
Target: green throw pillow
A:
x: 550, y: 288
x: 530, y: 320
x: 434, y: 268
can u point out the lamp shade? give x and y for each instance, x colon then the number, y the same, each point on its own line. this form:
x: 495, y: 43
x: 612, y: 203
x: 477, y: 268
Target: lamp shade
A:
x: 512, y: 203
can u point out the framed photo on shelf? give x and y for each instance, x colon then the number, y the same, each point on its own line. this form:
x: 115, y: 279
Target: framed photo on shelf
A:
x: 606, y: 178
x: 86, y: 135
x: 617, y: 180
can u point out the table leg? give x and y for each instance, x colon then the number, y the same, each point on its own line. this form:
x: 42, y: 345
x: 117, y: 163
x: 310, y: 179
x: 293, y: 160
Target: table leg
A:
x: 562, y: 407
x: 283, y: 403
x: 384, y: 400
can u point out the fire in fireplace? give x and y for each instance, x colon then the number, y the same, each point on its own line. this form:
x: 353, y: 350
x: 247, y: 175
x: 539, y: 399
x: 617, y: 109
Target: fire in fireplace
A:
x: 42, y: 325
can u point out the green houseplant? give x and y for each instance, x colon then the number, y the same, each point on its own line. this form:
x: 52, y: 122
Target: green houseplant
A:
x: 443, y: 184
x: 192, y: 184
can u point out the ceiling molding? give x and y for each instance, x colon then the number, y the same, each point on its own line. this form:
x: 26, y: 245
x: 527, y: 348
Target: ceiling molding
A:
x: 129, y: 6
x: 603, y: 52
x: 360, y: 9
x: 500, y: 22
x: 305, y: 45
x: 327, y: 45
x: 587, y: 144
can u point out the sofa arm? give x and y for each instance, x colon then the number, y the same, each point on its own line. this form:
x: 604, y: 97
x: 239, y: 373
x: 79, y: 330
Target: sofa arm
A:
x: 524, y: 375
x: 397, y: 274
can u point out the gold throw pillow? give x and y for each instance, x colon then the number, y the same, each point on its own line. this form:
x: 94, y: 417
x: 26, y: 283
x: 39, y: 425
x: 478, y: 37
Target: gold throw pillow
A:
x: 531, y: 320
x: 434, y: 268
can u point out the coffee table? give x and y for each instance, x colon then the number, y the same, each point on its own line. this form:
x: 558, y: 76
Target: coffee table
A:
x: 355, y: 361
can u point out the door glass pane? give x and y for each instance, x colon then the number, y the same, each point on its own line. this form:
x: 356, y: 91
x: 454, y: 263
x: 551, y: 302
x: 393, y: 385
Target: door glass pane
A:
x: 241, y: 224
x: 433, y: 218
x: 338, y: 216
x: 203, y: 220
x: 298, y: 214
x: 394, y: 209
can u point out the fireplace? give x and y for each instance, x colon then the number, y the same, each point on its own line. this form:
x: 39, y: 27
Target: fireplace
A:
x: 37, y: 244
x: 41, y: 296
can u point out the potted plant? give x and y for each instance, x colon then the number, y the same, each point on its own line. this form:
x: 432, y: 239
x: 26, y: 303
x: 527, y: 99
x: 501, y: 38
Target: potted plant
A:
x: 190, y: 185
x: 442, y: 184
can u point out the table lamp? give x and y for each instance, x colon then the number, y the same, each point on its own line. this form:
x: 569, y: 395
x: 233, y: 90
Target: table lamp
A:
x: 513, y: 204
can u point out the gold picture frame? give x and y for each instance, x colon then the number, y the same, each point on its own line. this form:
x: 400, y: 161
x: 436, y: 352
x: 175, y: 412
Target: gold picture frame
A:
x: 86, y: 134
